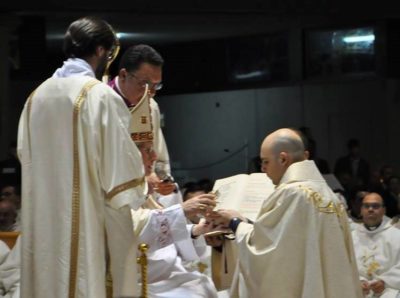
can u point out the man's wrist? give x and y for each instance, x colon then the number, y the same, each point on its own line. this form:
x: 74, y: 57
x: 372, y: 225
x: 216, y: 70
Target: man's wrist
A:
x: 234, y: 223
x: 192, y: 235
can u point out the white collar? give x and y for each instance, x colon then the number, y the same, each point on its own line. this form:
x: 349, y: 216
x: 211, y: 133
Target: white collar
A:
x: 74, y: 67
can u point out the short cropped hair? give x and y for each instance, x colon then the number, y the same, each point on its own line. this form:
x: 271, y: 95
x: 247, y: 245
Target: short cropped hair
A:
x: 136, y: 55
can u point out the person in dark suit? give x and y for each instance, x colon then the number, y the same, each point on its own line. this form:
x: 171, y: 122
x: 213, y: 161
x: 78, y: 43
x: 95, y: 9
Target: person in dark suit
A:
x: 352, y: 170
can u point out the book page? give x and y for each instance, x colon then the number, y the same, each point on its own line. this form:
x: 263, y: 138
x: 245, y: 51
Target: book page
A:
x: 243, y: 193
x: 258, y: 188
x: 230, y: 191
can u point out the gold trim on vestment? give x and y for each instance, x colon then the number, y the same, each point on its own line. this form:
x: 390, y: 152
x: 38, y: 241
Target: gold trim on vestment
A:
x: 76, y: 190
x: 143, y: 262
x: 29, y: 108
x: 142, y: 136
x: 30, y: 105
x: 120, y: 188
x: 317, y: 200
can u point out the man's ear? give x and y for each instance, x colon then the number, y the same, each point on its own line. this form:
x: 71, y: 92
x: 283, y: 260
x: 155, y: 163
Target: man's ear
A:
x: 283, y: 158
x: 100, y: 51
x: 123, y: 74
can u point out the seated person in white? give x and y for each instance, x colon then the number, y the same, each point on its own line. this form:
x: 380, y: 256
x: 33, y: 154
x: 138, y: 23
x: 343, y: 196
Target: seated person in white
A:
x: 377, y: 248
x: 396, y: 219
x: 165, y: 230
x: 10, y: 262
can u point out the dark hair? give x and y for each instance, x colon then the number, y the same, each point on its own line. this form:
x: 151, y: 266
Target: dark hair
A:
x: 17, y: 186
x: 191, y: 187
x: 393, y: 177
x: 383, y: 168
x: 352, y: 143
x: 84, y: 35
x: 135, y: 56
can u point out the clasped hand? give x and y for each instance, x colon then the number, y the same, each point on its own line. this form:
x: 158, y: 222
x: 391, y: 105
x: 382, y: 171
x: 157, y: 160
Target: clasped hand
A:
x: 223, y: 216
x: 199, y: 205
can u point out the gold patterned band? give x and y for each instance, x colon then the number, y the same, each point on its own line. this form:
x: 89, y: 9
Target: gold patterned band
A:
x: 120, y: 188
x: 142, y: 136
x: 76, y: 189
x: 142, y: 261
x: 318, y: 202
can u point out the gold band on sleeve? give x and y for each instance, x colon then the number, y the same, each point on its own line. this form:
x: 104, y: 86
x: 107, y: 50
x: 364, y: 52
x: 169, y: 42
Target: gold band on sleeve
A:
x: 120, y: 188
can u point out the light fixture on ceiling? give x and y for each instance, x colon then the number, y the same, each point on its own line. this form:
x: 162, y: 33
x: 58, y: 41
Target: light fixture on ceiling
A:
x: 359, y: 38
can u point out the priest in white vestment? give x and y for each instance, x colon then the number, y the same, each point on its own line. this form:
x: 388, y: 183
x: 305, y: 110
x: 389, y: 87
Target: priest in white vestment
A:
x: 300, y: 245
x: 81, y: 175
x: 377, y: 248
x: 165, y: 230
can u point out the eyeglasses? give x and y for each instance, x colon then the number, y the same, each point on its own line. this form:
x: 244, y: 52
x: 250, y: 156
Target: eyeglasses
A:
x: 142, y: 83
x: 375, y: 206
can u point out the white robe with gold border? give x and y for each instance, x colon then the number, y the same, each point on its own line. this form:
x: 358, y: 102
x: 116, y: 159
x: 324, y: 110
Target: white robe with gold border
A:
x: 170, y: 245
x: 300, y: 244
x: 378, y: 256
x: 81, y: 174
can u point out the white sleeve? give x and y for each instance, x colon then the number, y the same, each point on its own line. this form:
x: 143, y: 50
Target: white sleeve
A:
x: 10, y: 272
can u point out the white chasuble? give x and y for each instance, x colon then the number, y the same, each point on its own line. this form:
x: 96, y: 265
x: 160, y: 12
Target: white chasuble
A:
x: 378, y: 256
x: 170, y: 244
x: 300, y: 245
x: 81, y: 174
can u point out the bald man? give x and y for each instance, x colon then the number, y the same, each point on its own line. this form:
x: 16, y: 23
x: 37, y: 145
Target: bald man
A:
x: 300, y: 244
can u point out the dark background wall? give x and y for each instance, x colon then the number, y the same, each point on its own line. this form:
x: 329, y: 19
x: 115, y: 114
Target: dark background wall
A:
x: 214, y: 124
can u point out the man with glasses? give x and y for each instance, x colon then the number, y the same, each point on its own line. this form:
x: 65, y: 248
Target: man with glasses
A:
x: 139, y: 66
x: 78, y: 183
x: 377, y: 248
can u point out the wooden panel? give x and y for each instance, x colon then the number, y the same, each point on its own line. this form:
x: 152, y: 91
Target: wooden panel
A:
x: 9, y: 238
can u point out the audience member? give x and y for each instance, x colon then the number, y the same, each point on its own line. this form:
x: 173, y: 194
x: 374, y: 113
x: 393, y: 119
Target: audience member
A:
x: 10, y: 168
x: 254, y: 165
x: 378, y: 179
x: 352, y: 170
x: 12, y: 192
x: 377, y: 248
x: 310, y: 145
x: 391, y: 195
x: 8, y: 216
x: 355, y: 205
x: 386, y: 172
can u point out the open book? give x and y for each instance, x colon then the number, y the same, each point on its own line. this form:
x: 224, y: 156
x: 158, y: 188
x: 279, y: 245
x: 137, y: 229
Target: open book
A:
x: 243, y: 193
